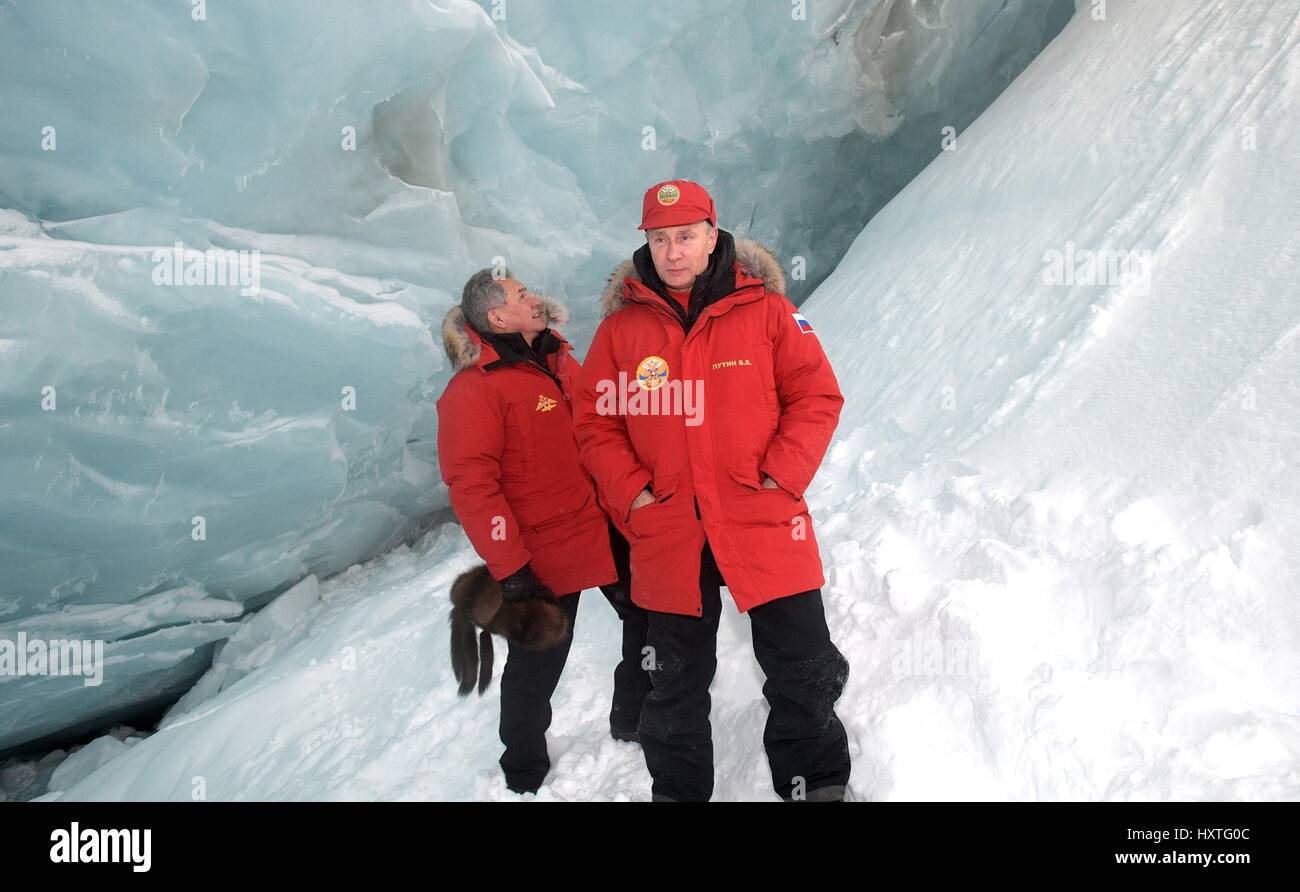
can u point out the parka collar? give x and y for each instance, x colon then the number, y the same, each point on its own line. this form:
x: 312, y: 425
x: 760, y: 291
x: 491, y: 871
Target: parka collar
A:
x: 754, y: 265
x: 466, y: 348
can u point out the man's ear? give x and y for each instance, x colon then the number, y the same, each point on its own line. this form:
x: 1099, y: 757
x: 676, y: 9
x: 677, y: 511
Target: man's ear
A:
x: 713, y: 238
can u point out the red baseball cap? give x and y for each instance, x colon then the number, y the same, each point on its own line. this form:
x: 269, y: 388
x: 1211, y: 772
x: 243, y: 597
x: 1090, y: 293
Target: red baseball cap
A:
x: 676, y: 203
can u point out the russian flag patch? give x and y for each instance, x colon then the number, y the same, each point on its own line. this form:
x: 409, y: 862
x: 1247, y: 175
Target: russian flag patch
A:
x: 804, y: 325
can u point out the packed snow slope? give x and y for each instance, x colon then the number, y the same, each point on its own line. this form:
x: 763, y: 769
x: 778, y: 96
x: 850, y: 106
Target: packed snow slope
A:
x: 176, y: 449
x: 1060, y: 521
x: 1094, y: 483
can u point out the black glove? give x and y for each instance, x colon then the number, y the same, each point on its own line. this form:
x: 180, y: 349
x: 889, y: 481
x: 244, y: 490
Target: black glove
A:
x: 519, y: 585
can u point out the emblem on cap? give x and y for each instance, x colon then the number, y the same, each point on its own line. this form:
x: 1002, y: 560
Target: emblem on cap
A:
x: 669, y: 194
x: 651, y: 373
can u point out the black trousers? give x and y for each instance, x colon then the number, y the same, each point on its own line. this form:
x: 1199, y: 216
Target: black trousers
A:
x: 807, y: 747
x: 530, y: 678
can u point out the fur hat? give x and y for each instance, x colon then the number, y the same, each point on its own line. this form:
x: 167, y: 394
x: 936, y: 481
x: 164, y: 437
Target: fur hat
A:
x: 537, y: 623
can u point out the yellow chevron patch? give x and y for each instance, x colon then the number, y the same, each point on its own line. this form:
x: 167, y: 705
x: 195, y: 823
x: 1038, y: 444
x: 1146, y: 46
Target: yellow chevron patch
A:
x: 544, y: 403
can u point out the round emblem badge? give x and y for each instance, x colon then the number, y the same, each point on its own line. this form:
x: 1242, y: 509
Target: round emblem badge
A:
x: 651, y: 373
x: 669, y: 194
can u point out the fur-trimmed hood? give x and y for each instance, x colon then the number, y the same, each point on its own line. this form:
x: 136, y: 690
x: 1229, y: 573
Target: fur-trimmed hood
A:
x: 463, y: 351
x: 754, y: 260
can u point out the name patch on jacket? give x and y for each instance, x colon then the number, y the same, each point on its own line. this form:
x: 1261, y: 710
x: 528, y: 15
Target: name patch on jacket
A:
x: 804, y: 325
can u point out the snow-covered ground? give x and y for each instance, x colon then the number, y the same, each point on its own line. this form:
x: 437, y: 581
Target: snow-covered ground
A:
x: 356, y: 700
x: 1060, y: 519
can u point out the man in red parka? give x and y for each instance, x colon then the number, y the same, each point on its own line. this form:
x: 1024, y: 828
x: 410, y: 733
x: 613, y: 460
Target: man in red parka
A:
x: 704, y: 408
x: 507, y: 453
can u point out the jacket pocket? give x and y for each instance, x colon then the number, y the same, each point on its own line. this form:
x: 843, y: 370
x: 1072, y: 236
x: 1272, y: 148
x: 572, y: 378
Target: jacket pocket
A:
x: 762, y: 507
x: 643, y: 521
x: 663, y: 487
x: 746, y: 477
x: 560, y: 509
x: 519, y: 459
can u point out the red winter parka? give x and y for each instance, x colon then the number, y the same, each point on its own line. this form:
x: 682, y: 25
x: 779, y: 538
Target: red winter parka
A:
x: 507, y: 453
x: 755, y: 394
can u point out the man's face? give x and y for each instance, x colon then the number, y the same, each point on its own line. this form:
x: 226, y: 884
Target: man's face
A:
x: 522, y: 311
x: 681, y: 253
